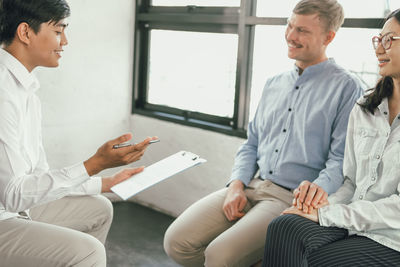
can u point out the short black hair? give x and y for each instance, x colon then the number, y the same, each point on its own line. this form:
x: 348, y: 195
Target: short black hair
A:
x: 33, y: 12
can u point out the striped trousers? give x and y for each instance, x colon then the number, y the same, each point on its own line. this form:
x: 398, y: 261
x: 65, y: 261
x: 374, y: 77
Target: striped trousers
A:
x: 296, y: 241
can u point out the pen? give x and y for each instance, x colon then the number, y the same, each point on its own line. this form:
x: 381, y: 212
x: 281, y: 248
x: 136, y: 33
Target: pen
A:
x: 129, y: 144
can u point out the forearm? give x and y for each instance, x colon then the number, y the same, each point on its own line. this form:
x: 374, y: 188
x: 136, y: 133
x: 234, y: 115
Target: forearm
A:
x: 331, y: 178
x: 363, y: 215
x: 24, y: 192
x: 344, y: 193
x: 93, y: 186
x: 245, y: 165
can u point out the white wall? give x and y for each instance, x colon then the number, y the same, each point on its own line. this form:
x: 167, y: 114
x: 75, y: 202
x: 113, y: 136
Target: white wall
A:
x: 175, y: 194
x: 87, y: 100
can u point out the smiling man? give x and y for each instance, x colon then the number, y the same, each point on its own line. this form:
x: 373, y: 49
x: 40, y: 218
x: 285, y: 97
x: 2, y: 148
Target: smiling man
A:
x: 296, y: 142
x: 47, y: 217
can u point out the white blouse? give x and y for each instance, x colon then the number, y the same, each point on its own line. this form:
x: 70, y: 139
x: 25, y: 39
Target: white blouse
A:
x: 368, y: 203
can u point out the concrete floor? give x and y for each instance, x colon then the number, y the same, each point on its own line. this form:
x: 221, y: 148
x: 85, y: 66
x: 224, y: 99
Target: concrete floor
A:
x: 136, y: 237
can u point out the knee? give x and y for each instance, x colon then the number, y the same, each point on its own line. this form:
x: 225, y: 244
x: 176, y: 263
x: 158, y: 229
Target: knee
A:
x: 181, y: 247
x: 218, y: 254
x: 105, y: 207
x: 174, y: 244
x: 215, y: 256
x: 282, y: 224
x: 288, y: 228
x: 88, y: 251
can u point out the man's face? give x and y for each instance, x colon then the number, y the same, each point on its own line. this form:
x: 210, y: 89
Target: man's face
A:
x: 306, y: 39
x: 46, y: 46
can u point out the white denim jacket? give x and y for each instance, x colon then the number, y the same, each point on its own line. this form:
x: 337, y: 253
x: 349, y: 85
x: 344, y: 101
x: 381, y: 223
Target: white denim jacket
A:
x: 368, y: 203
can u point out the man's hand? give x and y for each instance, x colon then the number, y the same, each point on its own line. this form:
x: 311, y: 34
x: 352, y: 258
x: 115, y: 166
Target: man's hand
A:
x: 107, y: 183
x: 109, y: 157
x: 235, y: 201
x: 309, y: 196
x: 313, y: 216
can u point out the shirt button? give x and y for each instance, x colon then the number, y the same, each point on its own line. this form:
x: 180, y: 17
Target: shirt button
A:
x: 284, y: 130
x: 373, y: 178
x: 385, y: 112
x: 291, y: 110
x: 276, y: 150
x: 378, y: 157
x: 270, y: 172
x: 297, y: 87
x: 360, y: 197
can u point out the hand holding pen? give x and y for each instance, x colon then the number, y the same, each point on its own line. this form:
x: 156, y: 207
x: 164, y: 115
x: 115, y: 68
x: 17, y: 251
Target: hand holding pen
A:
x: 133, y: 144
x: 124, y: 153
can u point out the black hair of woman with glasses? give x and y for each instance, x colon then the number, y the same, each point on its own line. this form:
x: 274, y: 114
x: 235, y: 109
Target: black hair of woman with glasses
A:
x: 359, y: 225
x: 384, y: 87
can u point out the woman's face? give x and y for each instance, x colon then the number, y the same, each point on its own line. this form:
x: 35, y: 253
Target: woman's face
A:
x: 389, y: 59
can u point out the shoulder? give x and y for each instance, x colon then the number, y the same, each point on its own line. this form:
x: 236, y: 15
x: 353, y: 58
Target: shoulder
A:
x: 287, y: 77
x: 344, y: 83
x: 6, y: 80
x: 8, y: 97
x: 338, y: 73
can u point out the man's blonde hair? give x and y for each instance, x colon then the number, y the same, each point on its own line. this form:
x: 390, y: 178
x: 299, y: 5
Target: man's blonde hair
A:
x: 330, y: 12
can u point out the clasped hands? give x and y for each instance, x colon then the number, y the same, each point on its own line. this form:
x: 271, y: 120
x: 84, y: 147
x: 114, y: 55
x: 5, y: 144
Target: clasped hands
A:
x: 308, y: 198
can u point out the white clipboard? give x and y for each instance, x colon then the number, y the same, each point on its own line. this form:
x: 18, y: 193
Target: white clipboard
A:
x: 156, y: 173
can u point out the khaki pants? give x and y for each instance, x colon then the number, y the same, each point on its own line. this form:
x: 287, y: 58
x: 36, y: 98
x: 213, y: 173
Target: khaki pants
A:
x: 66, y: 232
x: 202, y: 236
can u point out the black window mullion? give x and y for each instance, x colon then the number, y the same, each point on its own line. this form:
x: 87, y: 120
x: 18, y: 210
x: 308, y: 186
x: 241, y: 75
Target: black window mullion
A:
x: 193, y: 10
x: 187, y: 114
x: 193, y: 27
x: 245, y: 59
x: 142, y: 53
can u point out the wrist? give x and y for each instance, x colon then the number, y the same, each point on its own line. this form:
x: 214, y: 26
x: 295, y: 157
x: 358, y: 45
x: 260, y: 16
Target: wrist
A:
x: 92, y: 166
x: 236, y: 185
x: 104, y: 185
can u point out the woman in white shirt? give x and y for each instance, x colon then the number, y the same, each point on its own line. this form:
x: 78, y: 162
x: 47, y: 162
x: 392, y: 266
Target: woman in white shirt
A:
x: 360, y: 223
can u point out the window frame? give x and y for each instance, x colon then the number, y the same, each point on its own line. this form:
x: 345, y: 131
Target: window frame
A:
x: 239, y: 20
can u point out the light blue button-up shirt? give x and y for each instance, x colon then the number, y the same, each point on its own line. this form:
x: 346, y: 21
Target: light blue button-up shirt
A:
x: 299, y: 129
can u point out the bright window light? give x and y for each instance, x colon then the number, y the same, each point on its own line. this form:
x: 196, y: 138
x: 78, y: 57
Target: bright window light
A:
x: 193, y: 71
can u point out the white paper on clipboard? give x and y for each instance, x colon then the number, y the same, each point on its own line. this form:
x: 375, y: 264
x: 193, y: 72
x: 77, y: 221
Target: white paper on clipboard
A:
x: 156, y: 173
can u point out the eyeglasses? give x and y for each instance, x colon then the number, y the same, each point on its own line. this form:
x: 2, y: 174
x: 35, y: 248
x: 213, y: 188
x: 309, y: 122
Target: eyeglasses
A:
x: 385, y: 40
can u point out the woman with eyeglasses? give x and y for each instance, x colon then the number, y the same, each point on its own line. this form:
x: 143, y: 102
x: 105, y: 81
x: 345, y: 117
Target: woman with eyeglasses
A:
x: 359, y: 225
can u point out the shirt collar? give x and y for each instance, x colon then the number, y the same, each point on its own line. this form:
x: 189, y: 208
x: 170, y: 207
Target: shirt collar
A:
x: 316, y: 67
x: 25, y: 78
x: 384, y: 105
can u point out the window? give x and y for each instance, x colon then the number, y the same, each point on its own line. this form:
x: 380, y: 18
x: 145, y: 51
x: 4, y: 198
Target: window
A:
x: 204, y: 62
x: 186, y: 68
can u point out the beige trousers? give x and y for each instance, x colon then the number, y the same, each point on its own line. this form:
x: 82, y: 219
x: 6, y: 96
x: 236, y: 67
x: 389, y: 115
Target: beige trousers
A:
x: 66, y: 232
x: 202, y: 236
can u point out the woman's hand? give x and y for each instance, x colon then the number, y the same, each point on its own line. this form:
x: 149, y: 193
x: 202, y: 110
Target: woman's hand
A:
x: 313, y: 216
x: 120, y: 176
